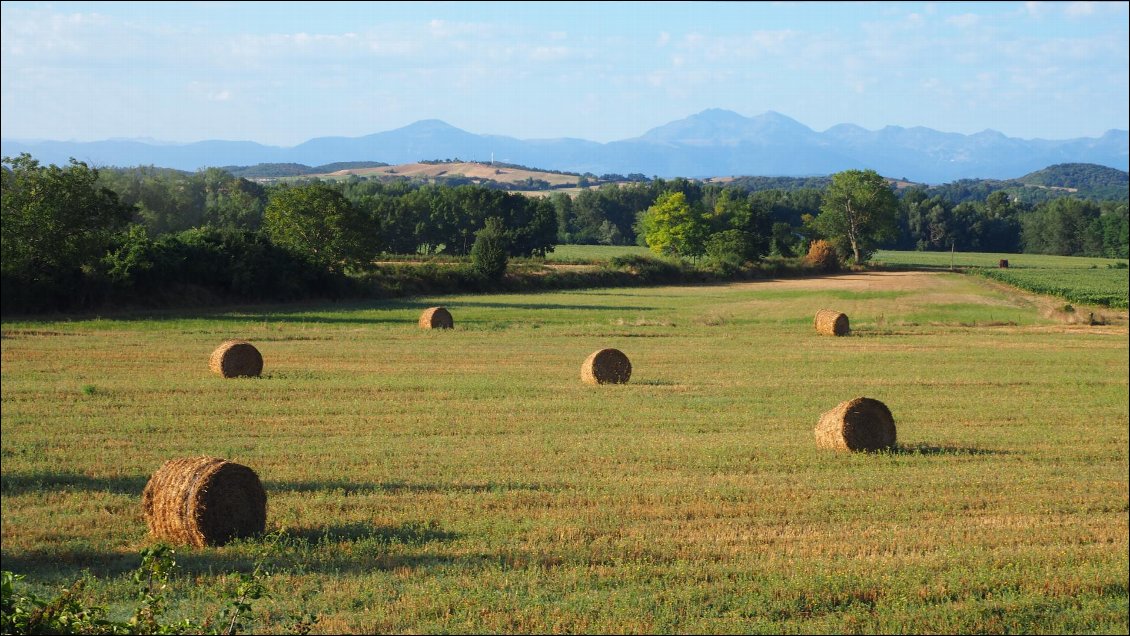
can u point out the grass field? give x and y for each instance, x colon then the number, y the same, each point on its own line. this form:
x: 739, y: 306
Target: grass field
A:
x: 991, y: 259
x: 888, y: 257
x: 595, y: 253
x: 1093, y: 281
x: 466, y: 481
x: 1107, y: 287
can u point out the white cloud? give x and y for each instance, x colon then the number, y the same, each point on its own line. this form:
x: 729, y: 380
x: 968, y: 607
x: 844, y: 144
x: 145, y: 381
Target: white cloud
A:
x: 549, y: 53
x: 1036, y: 9
x: 964, y: 21
x: 42, y: 35
x: 1078, y: 9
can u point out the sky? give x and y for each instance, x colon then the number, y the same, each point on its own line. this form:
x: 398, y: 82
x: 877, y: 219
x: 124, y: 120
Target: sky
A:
x: 280, y: 73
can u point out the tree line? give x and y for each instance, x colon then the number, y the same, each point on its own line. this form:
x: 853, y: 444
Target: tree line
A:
x: 75, y: 236
x: 78, y: 236
x: 781, y: 222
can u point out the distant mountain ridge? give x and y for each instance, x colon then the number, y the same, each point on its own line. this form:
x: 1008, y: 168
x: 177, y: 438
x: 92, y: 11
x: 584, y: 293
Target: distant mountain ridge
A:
x: 714, y: 142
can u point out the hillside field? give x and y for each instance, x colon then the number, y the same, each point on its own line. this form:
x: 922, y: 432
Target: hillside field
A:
x: 467, y: 481
x: 472, y: 170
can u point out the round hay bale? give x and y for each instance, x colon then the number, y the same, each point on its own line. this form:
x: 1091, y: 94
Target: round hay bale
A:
x: 862, y: 424
x: 236, y: 358
x: 203, y: 501
x: 831, y: 323
x: 436, y: 318
x: 607, y: 366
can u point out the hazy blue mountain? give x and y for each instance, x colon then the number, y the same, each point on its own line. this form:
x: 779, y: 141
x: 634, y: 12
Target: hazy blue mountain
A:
x: 191, y: 156
x: 717, y: 127
x: 714, y: 142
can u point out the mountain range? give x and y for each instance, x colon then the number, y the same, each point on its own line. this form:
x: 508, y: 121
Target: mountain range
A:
x: 713, y: 142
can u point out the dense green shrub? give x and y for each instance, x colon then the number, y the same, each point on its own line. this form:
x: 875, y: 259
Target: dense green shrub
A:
x: 233, y: 264
x: 648, y: 268
x: 728, y: 250
x: 488, y: 254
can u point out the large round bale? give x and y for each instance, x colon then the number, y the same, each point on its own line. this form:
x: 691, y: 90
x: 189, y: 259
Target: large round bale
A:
x: 862, y: 424
x: 607, y: 366
x: 831, y: 323
x: 203, y: 501
x: 236, y: 358
x: 436, y: 318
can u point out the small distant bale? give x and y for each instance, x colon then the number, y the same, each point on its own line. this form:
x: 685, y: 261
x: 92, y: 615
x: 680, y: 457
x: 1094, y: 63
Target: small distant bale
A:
x: 202, y: 501
x: 862, y: 424
x: 236, y: 358
x: 1003, y: 264
x: 607, y: 366
x: 436, y: 318
x: 831, y: 323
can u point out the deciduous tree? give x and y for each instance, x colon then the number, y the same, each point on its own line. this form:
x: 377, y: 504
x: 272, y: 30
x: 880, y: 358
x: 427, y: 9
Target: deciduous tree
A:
x: 56, y: 223
x: 859, y: 210
x: 674, y: 227
x: 319, y: 224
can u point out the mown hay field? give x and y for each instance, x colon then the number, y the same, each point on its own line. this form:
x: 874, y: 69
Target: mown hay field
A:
x: 993, y: 259
x: 466, y: 480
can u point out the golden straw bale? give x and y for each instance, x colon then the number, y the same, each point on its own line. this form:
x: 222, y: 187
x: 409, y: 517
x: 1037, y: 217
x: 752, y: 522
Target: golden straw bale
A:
x: 235, y: 358
x: 607, y: 366
x: 436, y: 318
x: 859, y: 424
x: 831, y: 323
x: 203, y: 501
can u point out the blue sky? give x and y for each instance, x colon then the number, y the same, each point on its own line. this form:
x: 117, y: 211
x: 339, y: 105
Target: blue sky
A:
x: 282, y: 73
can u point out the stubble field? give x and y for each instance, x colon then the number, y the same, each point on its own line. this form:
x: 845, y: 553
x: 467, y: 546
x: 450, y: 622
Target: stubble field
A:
x: 466, y: 481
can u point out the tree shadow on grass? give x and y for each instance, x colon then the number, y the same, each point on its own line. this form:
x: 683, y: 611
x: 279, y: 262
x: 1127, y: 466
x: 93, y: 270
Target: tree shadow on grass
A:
x: 61, y: 565
x: 412, y: 533
x: 353, y: 488
x: 548, y: 306
x: 20, y: 483
x: 295, y: 312
x: 348, y: 547
x: 930, y: 449
x: 54, y: 481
